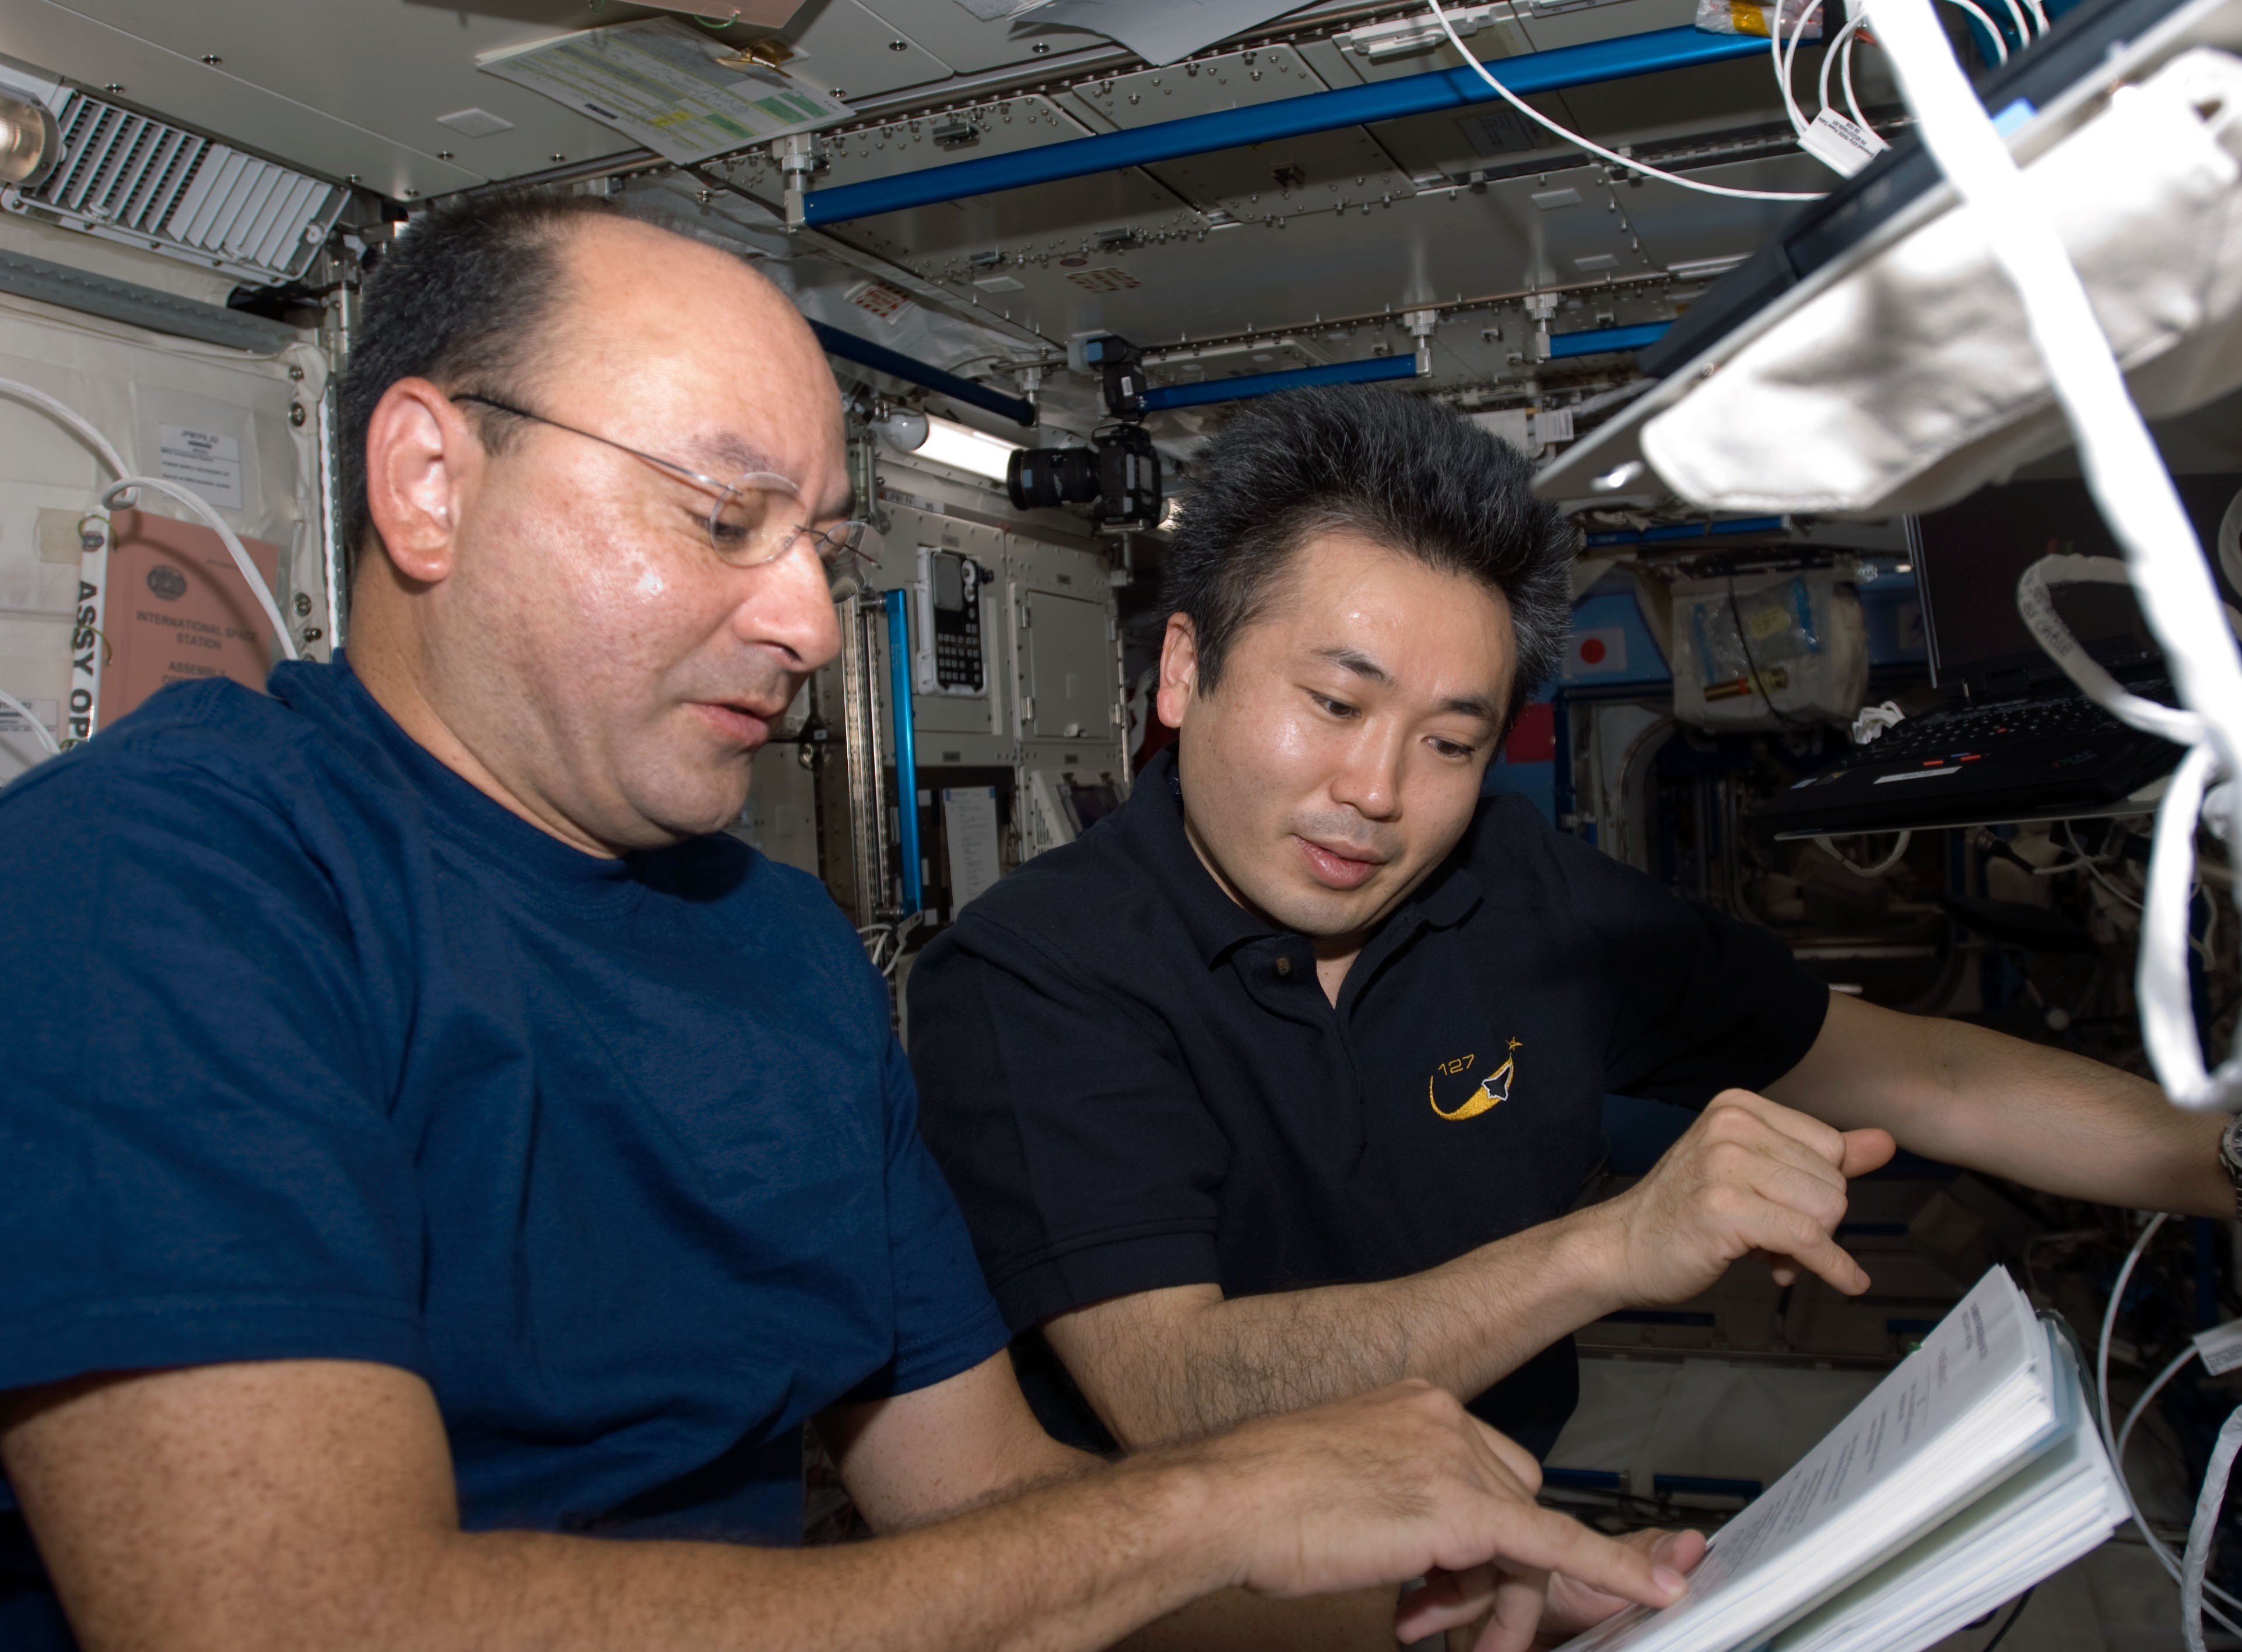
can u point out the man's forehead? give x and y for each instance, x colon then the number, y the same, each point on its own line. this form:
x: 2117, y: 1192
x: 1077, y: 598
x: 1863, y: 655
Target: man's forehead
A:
x: 702, y: 326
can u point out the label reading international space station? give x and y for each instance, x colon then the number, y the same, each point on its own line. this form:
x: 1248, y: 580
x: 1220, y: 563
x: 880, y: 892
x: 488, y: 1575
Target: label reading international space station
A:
x: 664, y: 84
x: 1979, y: 1347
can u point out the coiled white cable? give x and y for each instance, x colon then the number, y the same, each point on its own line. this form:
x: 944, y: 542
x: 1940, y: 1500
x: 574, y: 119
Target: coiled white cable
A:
x: 1614, y: 156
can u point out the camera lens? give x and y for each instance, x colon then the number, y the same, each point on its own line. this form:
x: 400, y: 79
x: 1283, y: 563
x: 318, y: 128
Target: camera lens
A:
x: 1038, y: 478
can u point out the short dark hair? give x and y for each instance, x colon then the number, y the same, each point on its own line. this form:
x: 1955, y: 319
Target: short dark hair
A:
x: 462, y: 299
x: 1396, y: 468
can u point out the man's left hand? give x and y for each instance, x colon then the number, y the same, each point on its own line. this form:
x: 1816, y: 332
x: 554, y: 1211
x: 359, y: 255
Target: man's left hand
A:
x: 1572, y: 1608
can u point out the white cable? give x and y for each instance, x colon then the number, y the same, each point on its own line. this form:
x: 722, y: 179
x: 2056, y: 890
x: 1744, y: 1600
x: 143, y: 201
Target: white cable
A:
x: 1841, y: 45
x: 2000, y: 43
x: 2208, y: 1504
x: 2109, y: 1324
x: 122, y: 490
x: 2023, y: 25
x: 2138, y: 502
x: 1784, y: 56
x: 1616, y: 158
x: 1845, y: 74
x: 70, y: 416
x: 125, y: 485
x: 2156, y: 1545
x: 54, y: 747
x: 1882, y: 866
x: 2141, y: 1406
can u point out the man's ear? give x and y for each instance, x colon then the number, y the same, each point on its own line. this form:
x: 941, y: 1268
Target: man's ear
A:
x: 421, y: 457
x: 1178, y: 670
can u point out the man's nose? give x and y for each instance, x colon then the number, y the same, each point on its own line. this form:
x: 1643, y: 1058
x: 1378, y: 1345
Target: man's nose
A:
x: 1370, y: 781
x: 789, y: 605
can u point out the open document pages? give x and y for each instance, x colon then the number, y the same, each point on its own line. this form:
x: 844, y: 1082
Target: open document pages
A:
x: 1968, y: 1474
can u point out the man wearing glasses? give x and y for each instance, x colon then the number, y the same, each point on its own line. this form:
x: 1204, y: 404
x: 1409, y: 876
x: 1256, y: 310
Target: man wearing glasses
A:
x: 429, y: 1156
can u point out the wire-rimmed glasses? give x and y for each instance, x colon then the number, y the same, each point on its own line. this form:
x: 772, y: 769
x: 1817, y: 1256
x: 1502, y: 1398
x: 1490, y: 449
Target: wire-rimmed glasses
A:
x: 750, y: 522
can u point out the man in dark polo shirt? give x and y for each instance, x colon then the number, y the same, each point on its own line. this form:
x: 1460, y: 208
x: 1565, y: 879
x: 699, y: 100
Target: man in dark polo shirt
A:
x: 1279, y: 1083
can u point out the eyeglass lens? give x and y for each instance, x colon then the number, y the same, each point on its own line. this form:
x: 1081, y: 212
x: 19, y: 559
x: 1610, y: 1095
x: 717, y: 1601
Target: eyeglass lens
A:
x: 753, y: 524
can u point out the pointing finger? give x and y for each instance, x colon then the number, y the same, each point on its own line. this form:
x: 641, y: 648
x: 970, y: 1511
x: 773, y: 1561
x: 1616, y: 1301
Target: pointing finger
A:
x: 1543, y: 1540
x: 1787, y: 1232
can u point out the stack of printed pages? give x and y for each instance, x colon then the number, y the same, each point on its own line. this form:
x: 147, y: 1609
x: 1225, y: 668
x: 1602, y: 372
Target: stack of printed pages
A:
x: 1971, y: 1472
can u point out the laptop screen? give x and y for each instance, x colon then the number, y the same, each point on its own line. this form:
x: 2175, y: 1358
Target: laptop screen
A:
x: 1968, y: 556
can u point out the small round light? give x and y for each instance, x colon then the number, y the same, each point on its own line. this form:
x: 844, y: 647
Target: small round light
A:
x: 30, y: 143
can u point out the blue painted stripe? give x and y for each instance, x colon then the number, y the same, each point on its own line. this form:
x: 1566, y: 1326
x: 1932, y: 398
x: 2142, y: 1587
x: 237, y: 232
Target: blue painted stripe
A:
x: 1597, y: 340
x: 865, y: 353
x: 1322, y: 112
x: 1371, y: 371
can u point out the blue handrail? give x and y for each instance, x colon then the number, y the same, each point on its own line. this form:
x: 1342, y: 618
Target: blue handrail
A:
x: 895, y: 364
x: 1372, y: 370
x: 1593, y: 341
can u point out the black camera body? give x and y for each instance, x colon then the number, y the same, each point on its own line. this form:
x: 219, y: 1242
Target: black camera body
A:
x: 1118, y: 474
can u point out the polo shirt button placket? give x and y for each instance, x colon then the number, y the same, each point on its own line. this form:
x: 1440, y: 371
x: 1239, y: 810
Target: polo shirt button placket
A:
x: 1284, y: 964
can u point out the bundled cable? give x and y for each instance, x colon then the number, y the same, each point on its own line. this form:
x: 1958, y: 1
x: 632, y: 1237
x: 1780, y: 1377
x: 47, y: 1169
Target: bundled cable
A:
x: 1595, y: 149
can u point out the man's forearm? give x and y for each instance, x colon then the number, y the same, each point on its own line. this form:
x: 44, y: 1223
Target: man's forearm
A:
x: 1072, y: 1566
x: 1185, y: 1370
x: 1965, y: 1095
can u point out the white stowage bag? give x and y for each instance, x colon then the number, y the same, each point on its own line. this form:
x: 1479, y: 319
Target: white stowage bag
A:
x: 1912, y: 382
x: 1768, y: 651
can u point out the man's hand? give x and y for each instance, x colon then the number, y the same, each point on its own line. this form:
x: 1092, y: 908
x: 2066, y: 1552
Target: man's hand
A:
x: 1750, y: 1176
x: 1404, y: 1482
x: 1572, y: 1608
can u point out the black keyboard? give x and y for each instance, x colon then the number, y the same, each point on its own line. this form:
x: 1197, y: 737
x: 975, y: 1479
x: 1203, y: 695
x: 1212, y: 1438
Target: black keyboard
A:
x: 1947, y: 734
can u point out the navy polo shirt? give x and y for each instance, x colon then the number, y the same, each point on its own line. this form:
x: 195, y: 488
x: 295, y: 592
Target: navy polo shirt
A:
x: 316, y: 1051
x: 1134, y: 1082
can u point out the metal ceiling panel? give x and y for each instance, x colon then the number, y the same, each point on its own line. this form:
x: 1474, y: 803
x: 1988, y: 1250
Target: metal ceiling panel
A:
x: 1053, y: 219
x: 1003, y: 128
x: 1234, y: 81
x: 1682, y: 227
x: 335, y: 86
x: 1257, y: 277
x: 1570, y: 25
x: 853, y: 53
x: 1318, y: 172
x: 969, y: 45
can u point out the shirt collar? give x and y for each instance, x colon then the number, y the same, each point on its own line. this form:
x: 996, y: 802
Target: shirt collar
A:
x: 1216, y: 923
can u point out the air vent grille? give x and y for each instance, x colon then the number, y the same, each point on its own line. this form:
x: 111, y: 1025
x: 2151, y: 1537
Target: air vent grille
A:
x: 152, y: 184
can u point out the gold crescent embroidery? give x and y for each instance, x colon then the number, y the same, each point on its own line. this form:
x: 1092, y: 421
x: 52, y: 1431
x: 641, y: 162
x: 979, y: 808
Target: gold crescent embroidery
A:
x: 1493, y: 1089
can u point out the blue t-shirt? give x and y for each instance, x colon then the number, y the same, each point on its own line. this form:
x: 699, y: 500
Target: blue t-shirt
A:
x: 316, y: 1051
